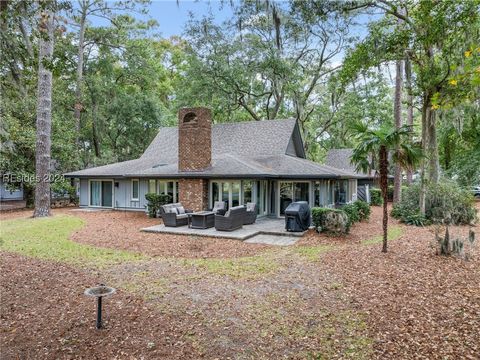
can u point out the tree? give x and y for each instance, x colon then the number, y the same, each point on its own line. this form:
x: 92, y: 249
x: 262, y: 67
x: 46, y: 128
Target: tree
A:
x: 433, y: 35
x: 266, y: 62
x: 44, y: 113
x: 374, y: 145
x: 86, y: 9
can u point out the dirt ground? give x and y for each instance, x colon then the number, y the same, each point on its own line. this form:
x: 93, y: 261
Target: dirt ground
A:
x: 325, y: 297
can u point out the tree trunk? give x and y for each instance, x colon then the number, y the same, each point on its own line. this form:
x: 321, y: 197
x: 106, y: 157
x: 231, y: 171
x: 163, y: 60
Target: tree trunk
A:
x: 433, y: 160
x: 423, y: 175
x: 408, y: 78
x: 384, y: 187
x: 44, y: 116
x: 96, y: 143
x: 397, y: 182
x: 79, y: 82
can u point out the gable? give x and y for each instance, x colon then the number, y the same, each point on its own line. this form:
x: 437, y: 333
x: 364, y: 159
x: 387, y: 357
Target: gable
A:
x: 295, y: 144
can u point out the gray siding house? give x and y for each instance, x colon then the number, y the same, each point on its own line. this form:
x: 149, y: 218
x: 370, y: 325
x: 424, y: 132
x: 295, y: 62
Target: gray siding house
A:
x: 198, y: 163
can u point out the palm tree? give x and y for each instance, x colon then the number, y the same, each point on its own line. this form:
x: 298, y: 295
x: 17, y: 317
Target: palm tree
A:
x: 374, y: 145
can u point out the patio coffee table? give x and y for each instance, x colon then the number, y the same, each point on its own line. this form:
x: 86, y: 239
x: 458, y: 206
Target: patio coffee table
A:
x: 201, y: 220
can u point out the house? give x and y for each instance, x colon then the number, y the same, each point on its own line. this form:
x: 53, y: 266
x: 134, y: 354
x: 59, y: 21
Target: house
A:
x: 10, y: 191
x: 198, y: 163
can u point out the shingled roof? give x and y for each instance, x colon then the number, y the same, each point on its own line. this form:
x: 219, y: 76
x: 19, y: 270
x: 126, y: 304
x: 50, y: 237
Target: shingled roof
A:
x: 239, y: 150
x: 340, y: 158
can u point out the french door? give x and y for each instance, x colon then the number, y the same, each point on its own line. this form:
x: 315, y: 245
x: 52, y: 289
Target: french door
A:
x: 101, y: 193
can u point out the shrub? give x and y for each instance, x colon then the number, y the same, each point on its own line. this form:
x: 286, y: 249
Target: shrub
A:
x: 63, y: 188
x: 331, y: 220
x: 417, y: 219
x: 376, y: 197
x: 363, y: 209
x: 444, y: 202
x: 390, y: 191
x: 154, y: 201
x: 352, y: 213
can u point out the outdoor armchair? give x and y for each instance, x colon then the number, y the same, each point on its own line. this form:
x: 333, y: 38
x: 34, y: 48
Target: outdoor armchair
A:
x: 232, y: 220
x: 250, y: 214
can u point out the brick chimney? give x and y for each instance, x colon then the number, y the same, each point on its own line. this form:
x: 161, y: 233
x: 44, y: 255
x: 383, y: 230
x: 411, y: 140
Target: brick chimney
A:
x: 194, y: 154
x: 194, y: 139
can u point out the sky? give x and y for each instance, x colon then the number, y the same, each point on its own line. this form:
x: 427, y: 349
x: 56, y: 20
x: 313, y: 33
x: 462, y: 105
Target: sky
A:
x: 172, y: 17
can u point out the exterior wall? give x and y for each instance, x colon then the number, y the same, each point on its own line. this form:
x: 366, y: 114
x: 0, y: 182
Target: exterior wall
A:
x: 194, y: 139
x: 193, y: 193
x: 123, y: 194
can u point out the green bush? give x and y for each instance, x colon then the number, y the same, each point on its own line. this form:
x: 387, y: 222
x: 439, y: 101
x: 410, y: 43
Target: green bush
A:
x: 444, y: 202
x: 390, y: 191
x: 330, y: 220
x: 417, y: 219
x: 63, y: 188
x: 352, y: 212
x: 154, y: 201
x: 363, y: 209
x: 376, y: 197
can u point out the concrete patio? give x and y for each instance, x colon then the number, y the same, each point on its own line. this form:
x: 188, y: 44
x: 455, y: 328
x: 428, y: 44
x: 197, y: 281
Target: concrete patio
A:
x: 263, y: 226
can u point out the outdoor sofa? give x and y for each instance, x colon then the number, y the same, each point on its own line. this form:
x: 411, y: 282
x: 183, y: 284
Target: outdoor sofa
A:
x: 174, y: 215
x: 232, y: 220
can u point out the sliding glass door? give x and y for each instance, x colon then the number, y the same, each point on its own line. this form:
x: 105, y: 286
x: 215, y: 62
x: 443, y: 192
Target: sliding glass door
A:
x: 101, y: 193
x: 233, y: 193
x: 291, y: 192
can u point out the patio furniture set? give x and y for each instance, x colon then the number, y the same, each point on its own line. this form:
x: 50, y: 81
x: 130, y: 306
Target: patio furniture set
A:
x: 175, y: 215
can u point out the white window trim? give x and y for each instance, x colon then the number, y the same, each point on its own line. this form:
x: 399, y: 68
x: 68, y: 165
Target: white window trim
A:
x: 138, y: 190
x: 113, y: 194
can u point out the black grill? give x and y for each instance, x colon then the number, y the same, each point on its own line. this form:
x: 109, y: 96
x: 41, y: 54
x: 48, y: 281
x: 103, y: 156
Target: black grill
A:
x: 297, y: 216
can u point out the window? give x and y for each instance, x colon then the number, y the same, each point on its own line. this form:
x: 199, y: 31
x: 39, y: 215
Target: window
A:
x: 247, y: 192
x: 152, y: 186
x: 135, y: 189
x: 168, y: 188
x: 286, y: 196
x: 95, y: 193
x: 226, y: 193
x: 215, y: 192
x: 340, y: 191
x: 235, y: 194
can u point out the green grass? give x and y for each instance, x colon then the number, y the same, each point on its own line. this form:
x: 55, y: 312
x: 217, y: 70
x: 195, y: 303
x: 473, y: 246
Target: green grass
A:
x: 245, y: 267
x: 313, y: 252
x: 393, y: 233
x: 47, y: 238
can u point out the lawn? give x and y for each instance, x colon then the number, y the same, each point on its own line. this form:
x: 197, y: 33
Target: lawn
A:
x: 326, y: 297
x: 48, y: 239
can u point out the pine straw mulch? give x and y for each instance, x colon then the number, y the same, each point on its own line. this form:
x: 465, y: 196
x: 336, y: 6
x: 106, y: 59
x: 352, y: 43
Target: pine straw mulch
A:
x: 45, y: 315
x: 418, y: 304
